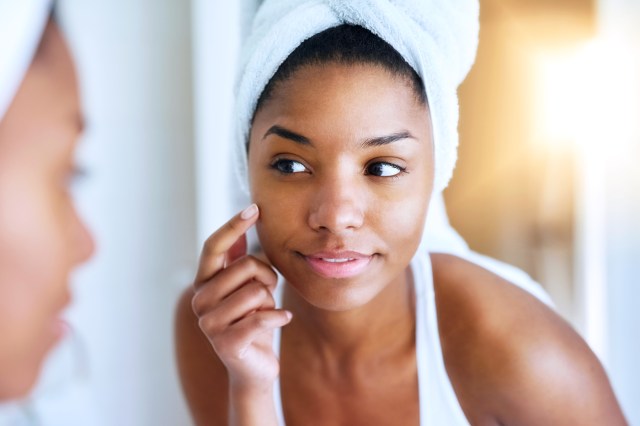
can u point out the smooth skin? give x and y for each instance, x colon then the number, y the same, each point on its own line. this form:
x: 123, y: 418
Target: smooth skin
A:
x: 42, y: 238
x: 349, y: 166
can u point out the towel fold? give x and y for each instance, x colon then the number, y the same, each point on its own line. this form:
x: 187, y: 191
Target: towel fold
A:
x: 22, y: 23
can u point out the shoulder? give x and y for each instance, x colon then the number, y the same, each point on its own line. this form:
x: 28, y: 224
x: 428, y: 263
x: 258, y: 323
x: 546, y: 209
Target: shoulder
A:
x: 511, y: 358
x: 202, y: 374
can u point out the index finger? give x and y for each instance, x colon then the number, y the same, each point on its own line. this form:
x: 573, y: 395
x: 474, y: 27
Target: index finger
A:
x: 213, y: 252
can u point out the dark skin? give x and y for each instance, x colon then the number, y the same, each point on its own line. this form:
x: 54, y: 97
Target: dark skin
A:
x: 511, y: 360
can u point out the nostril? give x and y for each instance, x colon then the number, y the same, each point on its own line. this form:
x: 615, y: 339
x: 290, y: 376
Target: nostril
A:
x: 85, y: 243
x: 336, y: 218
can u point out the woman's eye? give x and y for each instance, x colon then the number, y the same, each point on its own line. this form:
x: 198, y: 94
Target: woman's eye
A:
x: 74, y: 177
x: 289, y: 166
x: 384, y: 169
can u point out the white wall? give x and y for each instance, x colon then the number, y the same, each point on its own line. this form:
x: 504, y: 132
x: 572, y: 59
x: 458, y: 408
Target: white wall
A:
x: 216, y: 42
x: 218, y: 31
x: 135, y: 60
x: 620, y: 151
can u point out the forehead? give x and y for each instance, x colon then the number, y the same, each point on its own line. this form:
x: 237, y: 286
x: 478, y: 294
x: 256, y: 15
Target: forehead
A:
x: 47, y: 99
x: 344, y: 97
x: 53, y: 62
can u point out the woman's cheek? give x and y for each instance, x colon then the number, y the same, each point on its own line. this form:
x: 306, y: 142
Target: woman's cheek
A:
x: 404, y: 218
x: 279, y: 209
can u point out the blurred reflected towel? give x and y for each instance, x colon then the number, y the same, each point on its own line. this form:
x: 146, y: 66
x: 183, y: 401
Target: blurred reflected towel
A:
x: 21, y: 25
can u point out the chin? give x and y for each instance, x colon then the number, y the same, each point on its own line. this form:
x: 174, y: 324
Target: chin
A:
x: 21, y: 373
x: 329, y: 293
x: 333, y: 295
x: 18, y: 384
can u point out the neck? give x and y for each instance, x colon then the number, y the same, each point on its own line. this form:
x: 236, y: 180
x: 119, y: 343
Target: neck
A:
x: 383, y: 327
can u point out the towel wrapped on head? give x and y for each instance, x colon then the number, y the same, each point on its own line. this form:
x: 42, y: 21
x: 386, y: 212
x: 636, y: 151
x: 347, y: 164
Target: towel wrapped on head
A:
x: 22, y: 23
x: 437, y: 38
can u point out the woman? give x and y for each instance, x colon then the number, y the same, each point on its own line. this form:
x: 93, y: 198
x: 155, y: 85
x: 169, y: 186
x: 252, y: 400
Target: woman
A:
x: 347, y: 143
x: 41, y: 236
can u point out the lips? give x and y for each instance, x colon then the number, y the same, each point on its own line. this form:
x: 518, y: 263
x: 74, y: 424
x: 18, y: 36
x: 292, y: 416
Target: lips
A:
x: 338, y: 264
x: 59, y: 326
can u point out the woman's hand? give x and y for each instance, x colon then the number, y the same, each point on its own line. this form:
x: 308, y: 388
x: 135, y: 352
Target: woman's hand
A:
x: 235, y: 307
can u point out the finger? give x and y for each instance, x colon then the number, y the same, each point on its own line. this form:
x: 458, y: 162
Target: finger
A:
x: 249, y: 299
x: 252, y: 297
x: 221, y: 241
x: 240, y: 337
x: 230, y: 279
x: 243, y: 270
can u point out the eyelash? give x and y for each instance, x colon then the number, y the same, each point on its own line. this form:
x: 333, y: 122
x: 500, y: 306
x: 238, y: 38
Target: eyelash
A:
x: 76, y: 176
x: 401, y: 170
x: 280, y: 161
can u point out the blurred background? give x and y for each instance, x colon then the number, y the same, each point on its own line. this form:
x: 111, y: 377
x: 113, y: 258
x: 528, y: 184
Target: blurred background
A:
x: 546, y: 181
x: 547, y: 178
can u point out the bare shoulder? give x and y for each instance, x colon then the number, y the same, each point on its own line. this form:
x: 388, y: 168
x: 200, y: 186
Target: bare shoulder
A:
x: 511, y: 358
x: 202, y: 375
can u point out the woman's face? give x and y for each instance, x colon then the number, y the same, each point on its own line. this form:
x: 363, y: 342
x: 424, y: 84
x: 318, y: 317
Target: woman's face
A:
x: 41, y: 235
x: 341, y: 166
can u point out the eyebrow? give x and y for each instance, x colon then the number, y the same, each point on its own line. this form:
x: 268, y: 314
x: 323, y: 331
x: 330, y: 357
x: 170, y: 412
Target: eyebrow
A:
x: 368, y: 143
x: 287, y: 134
x: 385, y: 140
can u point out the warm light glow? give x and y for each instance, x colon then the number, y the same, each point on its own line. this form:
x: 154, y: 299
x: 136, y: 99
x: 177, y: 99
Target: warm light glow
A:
x: 585, y: 95
x: 587, y: 102
x: 559, y: 91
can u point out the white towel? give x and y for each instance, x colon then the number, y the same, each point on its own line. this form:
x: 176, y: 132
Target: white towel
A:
x: 438, y: 38
x: 22, y: 23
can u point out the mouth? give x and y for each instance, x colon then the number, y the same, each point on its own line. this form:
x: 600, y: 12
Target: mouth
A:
x: 343, y: 264
x: 60, y: 327
x: 59, y: 324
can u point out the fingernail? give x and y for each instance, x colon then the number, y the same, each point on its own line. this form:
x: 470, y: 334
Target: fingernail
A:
x: 289, y: 315
x: 249, y: 212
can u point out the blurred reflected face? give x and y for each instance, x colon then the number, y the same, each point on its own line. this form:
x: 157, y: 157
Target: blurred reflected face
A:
x: 341, y: 166
x: 41, y: 236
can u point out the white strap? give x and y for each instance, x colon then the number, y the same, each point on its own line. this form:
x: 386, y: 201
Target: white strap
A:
x: 438, y: 402
x: 277, y: 333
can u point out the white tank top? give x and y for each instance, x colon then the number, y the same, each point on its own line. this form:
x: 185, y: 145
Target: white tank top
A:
x: 438, y: 402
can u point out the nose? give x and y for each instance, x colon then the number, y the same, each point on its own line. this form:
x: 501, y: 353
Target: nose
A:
x: 337, y: 206
x: 84, y: 243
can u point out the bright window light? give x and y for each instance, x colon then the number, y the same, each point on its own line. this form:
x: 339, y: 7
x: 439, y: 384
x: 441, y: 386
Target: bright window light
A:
x: 587, y: 101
